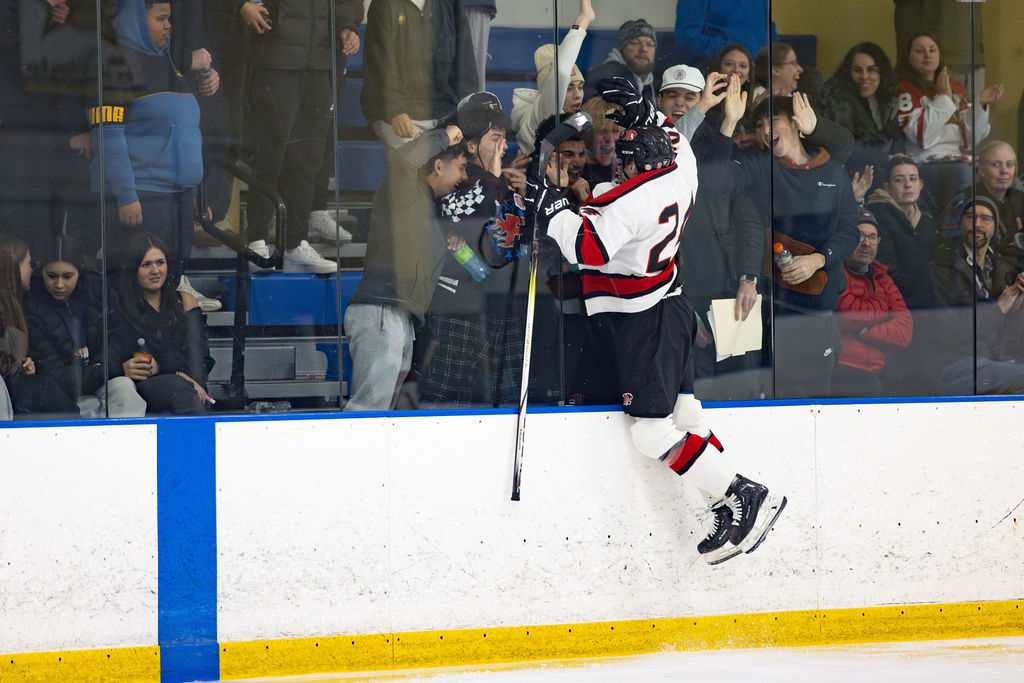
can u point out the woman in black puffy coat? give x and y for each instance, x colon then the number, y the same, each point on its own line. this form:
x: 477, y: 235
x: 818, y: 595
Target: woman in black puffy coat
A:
x: 162, y: 343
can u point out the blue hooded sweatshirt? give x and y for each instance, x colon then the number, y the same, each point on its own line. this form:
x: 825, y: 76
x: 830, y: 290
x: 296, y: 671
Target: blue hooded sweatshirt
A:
x: 151, y: 138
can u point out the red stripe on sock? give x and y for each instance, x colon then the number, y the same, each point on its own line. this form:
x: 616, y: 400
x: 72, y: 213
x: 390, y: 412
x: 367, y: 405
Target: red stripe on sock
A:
x: 685, y: 452
x: 713, y: 440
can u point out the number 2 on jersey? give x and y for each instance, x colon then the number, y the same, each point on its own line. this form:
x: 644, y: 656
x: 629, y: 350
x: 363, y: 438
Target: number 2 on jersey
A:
x: 655, y: 262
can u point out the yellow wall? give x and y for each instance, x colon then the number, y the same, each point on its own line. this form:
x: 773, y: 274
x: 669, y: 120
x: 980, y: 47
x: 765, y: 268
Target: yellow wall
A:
x: 839, y: 25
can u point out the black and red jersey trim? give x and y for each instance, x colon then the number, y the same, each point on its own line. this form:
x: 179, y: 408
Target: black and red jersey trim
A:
x: 625, y: 286
x: 636, y: 181
x: 590, y: 250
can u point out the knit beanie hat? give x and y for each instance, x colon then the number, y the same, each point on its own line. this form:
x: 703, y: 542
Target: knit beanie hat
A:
x: 636, y: 28
x: 984, y: 201
x: 542, y: 58
x: 865, y: 216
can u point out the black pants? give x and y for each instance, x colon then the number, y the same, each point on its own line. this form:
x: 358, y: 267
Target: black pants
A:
x: 39, y: 394
x: 806, y: 348
x: 288, y: 117
x: 652, y: 354
x: 170, y: 394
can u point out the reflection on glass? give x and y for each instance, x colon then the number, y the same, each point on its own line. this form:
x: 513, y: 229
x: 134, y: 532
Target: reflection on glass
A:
x: 298, y: 165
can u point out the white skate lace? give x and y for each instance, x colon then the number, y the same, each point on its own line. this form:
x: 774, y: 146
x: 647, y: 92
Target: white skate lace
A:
x: 734, y: 503
x: 715, y: 520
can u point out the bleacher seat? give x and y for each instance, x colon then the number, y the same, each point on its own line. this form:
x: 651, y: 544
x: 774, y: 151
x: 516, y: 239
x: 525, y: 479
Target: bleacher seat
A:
x: 299, y: 298
x: 361, y: 164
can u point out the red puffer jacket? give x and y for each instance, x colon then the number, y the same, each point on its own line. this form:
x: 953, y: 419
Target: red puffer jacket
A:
x: 874, y: 318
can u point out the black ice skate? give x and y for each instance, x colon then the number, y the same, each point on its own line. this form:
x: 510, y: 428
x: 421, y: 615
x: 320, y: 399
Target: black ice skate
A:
x: 754, y: 511
x: 716, y: 548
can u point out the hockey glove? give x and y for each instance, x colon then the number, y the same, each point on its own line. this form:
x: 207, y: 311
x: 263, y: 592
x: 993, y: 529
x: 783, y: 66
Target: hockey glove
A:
x: 547, y: 200
x: 637, y: 110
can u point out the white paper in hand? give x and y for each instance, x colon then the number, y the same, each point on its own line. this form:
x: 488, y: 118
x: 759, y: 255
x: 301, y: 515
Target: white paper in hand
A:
x: 735, y: 337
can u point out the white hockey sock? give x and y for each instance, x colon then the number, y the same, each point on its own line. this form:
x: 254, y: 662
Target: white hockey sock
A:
x: 711, y: 474
x: 654, y: 436
x: 688, y: 414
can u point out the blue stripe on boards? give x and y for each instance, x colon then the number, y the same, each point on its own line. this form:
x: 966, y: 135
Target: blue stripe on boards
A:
x: 187, y: 541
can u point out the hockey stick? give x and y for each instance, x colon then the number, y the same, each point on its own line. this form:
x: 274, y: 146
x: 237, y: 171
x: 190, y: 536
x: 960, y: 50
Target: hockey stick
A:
x: 575, y: 124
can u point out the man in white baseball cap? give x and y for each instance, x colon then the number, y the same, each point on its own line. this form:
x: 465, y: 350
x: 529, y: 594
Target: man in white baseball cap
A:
x: 681, y: 86
x: 680, y: 97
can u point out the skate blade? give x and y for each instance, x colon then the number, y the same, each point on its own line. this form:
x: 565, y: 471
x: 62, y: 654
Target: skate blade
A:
x: 722, y: 554
x: 759, y: 532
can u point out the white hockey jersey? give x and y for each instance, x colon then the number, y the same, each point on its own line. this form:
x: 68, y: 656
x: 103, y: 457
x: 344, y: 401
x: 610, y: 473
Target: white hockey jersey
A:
x: 625, y: 238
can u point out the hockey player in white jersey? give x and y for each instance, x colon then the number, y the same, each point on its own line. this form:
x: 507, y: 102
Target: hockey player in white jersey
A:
x: 624, y: 242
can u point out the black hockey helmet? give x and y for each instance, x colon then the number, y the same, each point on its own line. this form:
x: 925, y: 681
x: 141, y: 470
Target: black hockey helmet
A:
x: 649, y: 147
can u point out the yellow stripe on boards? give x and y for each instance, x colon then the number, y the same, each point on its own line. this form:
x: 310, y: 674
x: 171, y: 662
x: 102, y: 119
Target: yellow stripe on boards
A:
x: 298, y: 656
x: 430, y: 649
x: 116, y: 664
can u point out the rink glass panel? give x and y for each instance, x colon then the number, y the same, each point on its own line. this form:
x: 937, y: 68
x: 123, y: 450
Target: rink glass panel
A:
x: 295, y: 348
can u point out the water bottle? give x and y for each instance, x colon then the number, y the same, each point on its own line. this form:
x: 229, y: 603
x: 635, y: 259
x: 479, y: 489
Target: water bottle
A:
x: 477, y: 269
x: 142, y: 350
x: 782, y: 256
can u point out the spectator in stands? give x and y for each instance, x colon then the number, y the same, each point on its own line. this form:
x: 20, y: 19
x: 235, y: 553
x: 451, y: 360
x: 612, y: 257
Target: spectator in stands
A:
x: 418, y: 64
x: 162, y: 343
x: 561, y: 82
x: 686, y: 97
x: 722, y: 247
x: 704, y: 27
x: 778, y: 64
x: 954, y: 24
x: 601, y: 146
x: 29, y: 391
x: 872, y: 315
x: 814, y: 217
x: 572, y: 159
x: 472, y: 325
x: 940, y: 123
x: 970, y: 273
x: 67, y: 338
x: 323, y: 223
x: 152, y: 147
x: 479, y: 15
x: 861, y: 96
x: 996, y: 173
x: 288, y: 116
x: 632, y: 59
x: 735, y: 58
x: 405, y: 254
x: 907, y: 231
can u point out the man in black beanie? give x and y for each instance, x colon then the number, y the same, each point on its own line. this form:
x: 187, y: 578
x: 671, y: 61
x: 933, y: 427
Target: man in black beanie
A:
x: 633, y: 58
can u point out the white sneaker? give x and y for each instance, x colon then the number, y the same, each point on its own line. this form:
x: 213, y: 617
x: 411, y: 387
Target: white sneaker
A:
x: 323, y: 225
x: 305, y: 259
x: 263, y: 249
x: 207, y: 304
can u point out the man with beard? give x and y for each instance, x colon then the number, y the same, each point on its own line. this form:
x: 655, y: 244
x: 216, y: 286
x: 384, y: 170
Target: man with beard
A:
x: 996, y: 172
x: 633, y: 59
x: 970, y: 273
